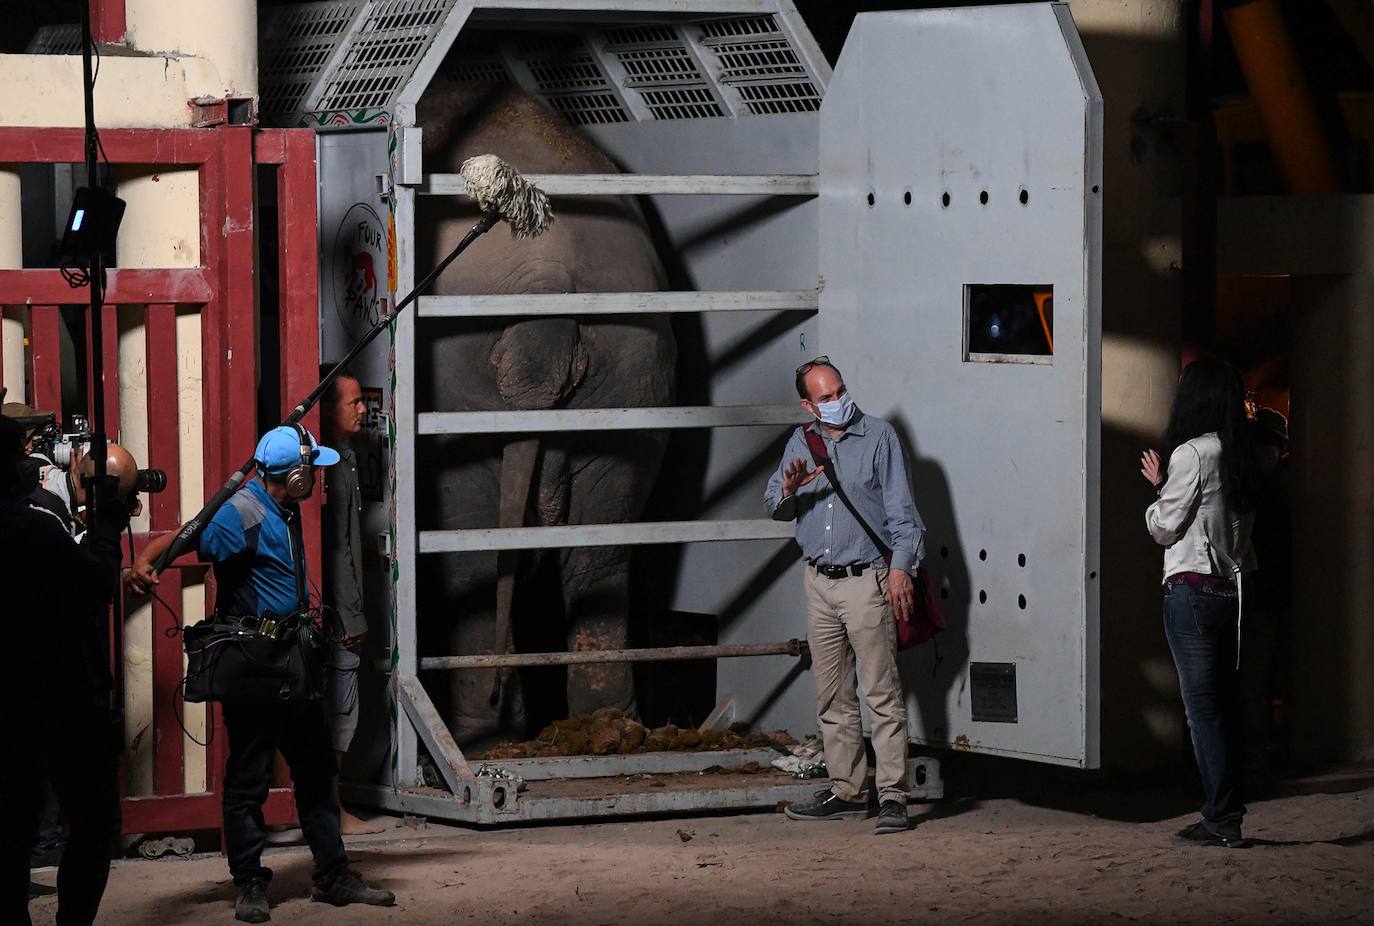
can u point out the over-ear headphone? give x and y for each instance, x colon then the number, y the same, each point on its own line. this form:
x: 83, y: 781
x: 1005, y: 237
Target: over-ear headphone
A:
x: 299, y: 481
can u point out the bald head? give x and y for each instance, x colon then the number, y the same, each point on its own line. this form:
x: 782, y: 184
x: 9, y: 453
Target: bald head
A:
x: 118, y: 463
x: 821, y: 383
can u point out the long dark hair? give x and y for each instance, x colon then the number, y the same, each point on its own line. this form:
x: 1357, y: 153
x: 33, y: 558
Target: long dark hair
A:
x: 1211, y: 398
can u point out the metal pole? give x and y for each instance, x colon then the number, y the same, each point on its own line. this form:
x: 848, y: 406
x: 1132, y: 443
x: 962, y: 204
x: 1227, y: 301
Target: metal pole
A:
x: 96, y: 269
x: 584, y: 657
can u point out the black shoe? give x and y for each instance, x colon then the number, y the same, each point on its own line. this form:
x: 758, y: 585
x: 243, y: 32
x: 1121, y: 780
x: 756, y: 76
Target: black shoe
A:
x: 892, y: 818
x: 1199, y: 834
x: 252, y: 906
x: 826, y: 806
x: 347, y: 888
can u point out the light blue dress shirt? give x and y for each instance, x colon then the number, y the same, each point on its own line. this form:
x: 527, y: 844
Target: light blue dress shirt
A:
x: 870, y: 464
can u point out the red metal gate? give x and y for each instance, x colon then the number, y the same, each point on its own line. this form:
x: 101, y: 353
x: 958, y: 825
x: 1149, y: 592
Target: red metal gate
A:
x: 223, y: 291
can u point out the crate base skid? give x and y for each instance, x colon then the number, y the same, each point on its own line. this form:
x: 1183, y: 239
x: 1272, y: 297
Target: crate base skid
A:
x: 510, y: 799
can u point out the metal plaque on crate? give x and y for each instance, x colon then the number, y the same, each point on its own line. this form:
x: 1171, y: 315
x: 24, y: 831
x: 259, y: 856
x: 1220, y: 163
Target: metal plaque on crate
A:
x: 993, y: 688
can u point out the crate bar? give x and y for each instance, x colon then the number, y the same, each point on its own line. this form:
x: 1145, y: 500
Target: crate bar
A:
x: 609, y: 419
x: 641, y: 763
x: 598, y: 657
x: 646, y: 184
x: 563, y: 304
x: 432, y: 729
x: 405, y: 545
x: 46, y: 287
x: 603, y: 535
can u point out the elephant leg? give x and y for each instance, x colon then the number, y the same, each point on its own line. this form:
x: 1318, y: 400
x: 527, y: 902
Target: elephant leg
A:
x: 596, y: 592
x: 609, y: 485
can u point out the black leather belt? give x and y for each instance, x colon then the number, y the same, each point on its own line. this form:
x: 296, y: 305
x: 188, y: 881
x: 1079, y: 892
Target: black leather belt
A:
x: 840, y: 572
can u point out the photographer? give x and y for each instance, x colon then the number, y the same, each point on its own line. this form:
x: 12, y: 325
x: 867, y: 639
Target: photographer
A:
x: 255, y: 543
x: 58, y: 597
x: 54, y: 486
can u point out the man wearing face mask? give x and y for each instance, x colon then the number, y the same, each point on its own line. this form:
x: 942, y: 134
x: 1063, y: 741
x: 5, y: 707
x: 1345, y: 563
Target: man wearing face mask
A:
x: 853, y: 594
x: 255, y: 543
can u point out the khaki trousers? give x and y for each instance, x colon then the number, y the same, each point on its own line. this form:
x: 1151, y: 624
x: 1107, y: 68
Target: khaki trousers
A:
x: 849, y: 619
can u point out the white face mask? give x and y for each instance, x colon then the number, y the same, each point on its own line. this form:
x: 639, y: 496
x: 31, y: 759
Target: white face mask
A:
x: 837, y: 412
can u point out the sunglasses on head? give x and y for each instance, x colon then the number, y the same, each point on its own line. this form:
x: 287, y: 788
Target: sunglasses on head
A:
x: 821, y: 361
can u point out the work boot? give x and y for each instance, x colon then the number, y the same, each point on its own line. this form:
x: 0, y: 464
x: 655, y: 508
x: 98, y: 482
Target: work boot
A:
x: 892, y: 818
x: 827, y: 806
x: 252, y: 906
x: 347, y: 888
x: 1200, y: 834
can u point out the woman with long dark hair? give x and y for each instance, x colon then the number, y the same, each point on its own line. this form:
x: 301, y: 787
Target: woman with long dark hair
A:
x: 1202, y: 518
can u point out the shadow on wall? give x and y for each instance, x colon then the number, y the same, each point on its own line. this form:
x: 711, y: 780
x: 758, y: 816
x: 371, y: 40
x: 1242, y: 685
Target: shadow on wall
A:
x: 930, y: 678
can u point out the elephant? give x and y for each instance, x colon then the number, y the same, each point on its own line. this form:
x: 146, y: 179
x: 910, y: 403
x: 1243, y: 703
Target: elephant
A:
x: 473, y: 603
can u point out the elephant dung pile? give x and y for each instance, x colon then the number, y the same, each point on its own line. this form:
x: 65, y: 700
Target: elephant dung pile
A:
x: 609, y: 732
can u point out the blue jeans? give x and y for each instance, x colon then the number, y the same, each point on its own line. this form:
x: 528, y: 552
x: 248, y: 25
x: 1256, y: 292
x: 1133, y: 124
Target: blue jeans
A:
x: 1201, y: 627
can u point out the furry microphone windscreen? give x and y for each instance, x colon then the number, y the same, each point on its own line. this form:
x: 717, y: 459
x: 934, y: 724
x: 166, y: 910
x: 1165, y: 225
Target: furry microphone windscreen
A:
x: 497, y: 185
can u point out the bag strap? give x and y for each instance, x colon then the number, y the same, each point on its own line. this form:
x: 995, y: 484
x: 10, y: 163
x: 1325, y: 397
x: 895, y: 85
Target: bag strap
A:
x: 816, y: 445
x: 298, y: 560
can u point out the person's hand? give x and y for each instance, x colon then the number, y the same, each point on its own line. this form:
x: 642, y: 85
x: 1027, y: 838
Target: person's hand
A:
x: 142, y: 577
x: 901, y: 593
x: 354, y: 643
x: 795, y: 475
x: 1150, y: 468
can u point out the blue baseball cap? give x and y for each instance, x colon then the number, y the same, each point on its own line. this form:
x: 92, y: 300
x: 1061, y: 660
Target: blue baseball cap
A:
x: 280, y: 450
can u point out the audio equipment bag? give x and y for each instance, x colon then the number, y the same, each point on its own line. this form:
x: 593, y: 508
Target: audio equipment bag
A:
x: 926, y: 619
x: 254, y: 659
x: 257, y: 658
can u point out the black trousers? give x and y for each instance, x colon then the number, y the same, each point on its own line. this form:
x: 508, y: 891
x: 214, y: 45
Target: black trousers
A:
x: 73, y: 747
x: 257, y: 730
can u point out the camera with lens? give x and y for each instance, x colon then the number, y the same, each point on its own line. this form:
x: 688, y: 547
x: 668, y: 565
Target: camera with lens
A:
x: 64, y: 447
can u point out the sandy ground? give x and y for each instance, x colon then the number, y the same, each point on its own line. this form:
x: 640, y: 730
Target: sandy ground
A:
x: 1073, y: 855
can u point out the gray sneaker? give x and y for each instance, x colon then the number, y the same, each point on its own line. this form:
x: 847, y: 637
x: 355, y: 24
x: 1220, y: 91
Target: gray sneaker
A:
x: 826, y: 806
x: 348, y: 888
x: 892, y: 818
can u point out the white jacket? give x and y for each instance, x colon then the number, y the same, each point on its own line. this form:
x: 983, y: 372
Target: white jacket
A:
x: 1191, y: 519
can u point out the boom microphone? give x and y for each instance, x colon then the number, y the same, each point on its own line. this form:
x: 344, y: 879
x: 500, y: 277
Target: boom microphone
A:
x: 498, y: 186
x: 503, y: 196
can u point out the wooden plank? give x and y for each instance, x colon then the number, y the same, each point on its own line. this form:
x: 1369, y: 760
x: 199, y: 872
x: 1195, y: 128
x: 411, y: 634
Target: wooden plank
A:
x: 269, y: 145
x: 67, y: 145
x: 603, y: 535
x: 109, y: 327
x: 298, y: 284
x: 238, y: 291
x: 108, y: 22
x: 169, y: 744
x: 646, y: 184
x: 45, y: 357
x: 129, y: 286
x: 502, y: 305
x: 164, y: 415
x: 610, y: 419
x: 170, y: 814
